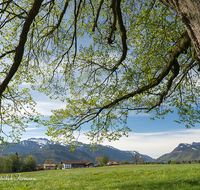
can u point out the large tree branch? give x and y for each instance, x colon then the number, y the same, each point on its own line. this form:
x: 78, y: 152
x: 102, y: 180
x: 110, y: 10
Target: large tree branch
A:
x: 113, y: 27
x: 6, y: 53
x: 117, y: 16
x: 181, y: 47
x: 59, y: 20
x: 97, y: 16
x: 20, y: 48
x: 123, y: 34
x: 189, y: 12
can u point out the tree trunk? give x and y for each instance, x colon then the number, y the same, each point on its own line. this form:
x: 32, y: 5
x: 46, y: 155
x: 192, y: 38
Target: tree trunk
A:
x: 189, y: 11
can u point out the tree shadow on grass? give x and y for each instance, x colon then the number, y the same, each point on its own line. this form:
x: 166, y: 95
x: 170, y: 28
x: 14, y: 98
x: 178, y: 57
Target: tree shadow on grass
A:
x: 176, y: 184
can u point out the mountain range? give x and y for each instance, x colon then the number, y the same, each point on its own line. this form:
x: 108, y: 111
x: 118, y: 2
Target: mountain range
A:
x: 42, y: 148
x: 183, y: 152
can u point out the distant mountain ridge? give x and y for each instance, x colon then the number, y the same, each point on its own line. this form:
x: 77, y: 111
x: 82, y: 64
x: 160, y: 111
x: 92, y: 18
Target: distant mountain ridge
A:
x: 186, y: 146
x: 111, y: 152
x: 58, y: 153
x: 37, y: 147
x: 183, y: 152
x: 29, y: 145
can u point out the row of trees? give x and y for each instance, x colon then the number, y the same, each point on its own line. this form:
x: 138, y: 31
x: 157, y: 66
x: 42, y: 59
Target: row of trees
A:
x: 184, y: 162
x: 17, y: 163
x: 135, y: 156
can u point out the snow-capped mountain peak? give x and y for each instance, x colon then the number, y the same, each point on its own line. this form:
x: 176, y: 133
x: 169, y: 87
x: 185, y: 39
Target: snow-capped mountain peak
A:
x: 186, y: 146
x: 41, y: 141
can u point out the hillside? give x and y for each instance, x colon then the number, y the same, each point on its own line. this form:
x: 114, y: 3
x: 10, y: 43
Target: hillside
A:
x: 58, y: 153
x: 183, y: 152
x: 42, y: 149
x: 111, y: 152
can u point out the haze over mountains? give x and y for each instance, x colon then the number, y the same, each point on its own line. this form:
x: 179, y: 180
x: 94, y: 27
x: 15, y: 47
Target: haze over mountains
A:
x: 42, y: 149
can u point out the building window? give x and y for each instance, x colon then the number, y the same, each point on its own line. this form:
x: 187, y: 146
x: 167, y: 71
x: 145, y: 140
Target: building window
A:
x: 67, y: 166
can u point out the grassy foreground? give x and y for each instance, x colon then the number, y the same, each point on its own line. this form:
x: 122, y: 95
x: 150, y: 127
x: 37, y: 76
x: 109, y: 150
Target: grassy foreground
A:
x: 111, y: 177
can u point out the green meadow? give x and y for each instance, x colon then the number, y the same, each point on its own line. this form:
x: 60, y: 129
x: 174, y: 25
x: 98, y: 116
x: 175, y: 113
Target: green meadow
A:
x: 177, y: 177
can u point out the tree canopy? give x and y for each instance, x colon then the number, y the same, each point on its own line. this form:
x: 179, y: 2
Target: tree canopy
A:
x: 141, y: 56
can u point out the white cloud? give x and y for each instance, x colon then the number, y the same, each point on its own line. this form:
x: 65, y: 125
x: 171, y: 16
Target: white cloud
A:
x: 156, y: 144
x: 31, y: 128
x: 45, y: 107
x: 39, y: 136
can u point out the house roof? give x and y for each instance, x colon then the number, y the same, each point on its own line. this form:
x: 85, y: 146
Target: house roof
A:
x: 86, y: 162
x: 50, y: 165
x: 113, y: 163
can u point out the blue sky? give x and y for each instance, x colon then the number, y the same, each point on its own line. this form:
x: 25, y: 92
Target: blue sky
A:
x: 150, y: 137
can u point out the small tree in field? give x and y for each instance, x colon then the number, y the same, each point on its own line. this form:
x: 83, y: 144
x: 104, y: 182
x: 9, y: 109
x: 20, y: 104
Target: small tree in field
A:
x: 60, y: 166
x: 104, y: 160
x: 142, y: 160
x: 135, y: 156
x: 98, y: 159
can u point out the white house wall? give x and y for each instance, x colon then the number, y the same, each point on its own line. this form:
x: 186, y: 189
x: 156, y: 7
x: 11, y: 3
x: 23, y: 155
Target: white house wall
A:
x: 67, y: 166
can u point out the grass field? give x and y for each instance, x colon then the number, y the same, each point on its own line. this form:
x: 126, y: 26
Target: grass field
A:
x: 110, y: 177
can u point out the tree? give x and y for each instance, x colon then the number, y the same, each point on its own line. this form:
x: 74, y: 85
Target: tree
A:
x: 104, y: 160
x: 49, y: 161
x: 142, y: 57
x: 98, y: 159
x: 142, y: 160
x: 135, y: 156
x: 60, y: 166
x: 30, y: 162
x: 12, y: 163
x: 16, y: 163
x: 1, y: 163
x: 7, y: 165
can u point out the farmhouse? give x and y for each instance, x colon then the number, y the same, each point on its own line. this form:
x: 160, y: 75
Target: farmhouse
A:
x: 76, y: 164
x: 49, y: 166
x: 39, y: 167
x: 112, y: 163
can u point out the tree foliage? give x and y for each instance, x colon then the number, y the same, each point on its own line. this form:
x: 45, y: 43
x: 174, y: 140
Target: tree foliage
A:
x: 98, y: 159
x: 60, y: 166
x: 16, y: 163
x: 49, y: 161
x: 30, y: 163
x: 104, y: 160
x: 1, y: 163
x: 142, y: 160
x: 142, y: 56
